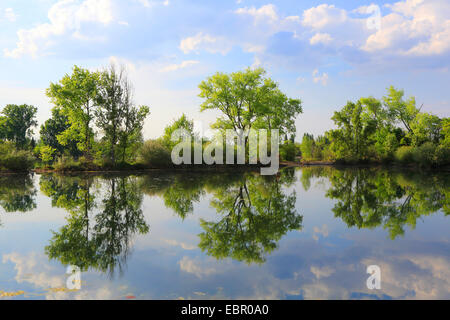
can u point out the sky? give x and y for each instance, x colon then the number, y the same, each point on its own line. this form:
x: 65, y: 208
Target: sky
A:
x: 325, y: 53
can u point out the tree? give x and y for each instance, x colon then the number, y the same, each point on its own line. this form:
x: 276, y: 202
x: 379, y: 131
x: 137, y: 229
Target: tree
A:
x: 247, y: 99
x: 17, y: 123
x: 116, y: 115
x: 75, y: 94
x: 182, y: 123
x: 350, y: 141
x: 53, y: 128
x: 399, y: 110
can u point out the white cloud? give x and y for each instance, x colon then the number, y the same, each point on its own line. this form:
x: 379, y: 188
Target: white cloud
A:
x: 265, y: 14
x: 182, y: 65
x: 150, y: 3
x: 66, y: 17
x: 9, y: 14
x: 323, y: 16
x: 414, y: 27
x: 50, y: 281
x: 321, y: 272
x: 320, y: 38
x: 317, y: 77
x: 205, y: 42
x: 197, y: 267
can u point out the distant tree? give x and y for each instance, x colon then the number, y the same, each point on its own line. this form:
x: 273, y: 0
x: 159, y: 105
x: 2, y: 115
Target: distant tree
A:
x: 350, y: 140
x: 17, y: 123
x: 181, y: 123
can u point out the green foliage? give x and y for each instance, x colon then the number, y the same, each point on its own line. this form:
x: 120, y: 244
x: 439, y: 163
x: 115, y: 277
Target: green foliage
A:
x: 404, y: 154
x: 17, y: 124
x: 47, y: 154
x: 367, y: 131
x: 54, y: 128
x: 13, y: 159
x: 17, y: 193
x: 154, y: 154
x: 288, y: 151
x: 350, y: 141
x: 95, y: 239
x: 75, y: 94
x: 314, y: 149
x: 254, y: 215
x: 116, y: 115
x: 248, y: 100
x: 183, y: 123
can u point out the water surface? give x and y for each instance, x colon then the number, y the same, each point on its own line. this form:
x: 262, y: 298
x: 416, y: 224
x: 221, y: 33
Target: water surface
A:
x: 305, y: 234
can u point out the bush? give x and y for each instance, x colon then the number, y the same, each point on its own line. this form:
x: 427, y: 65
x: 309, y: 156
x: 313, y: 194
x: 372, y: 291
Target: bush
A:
x: 288, y: 151
x: 154, y: 154
x: 404, y: 154
x: 424, y: 155
x: 442, y: 155
x: 67, y: 163
x: 15, y: 160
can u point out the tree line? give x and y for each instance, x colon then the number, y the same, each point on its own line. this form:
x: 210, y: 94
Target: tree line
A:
x: 95, y: 124
x: 390, y: 129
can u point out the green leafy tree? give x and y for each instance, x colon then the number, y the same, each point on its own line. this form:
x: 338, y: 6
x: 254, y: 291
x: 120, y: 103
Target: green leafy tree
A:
x: 17, y: 124
x: 53, y: 128
x: 182, y: 123
x: 350, y: 140
x: 116, y: 115
x: 75, y: 94
x: 246, y: 100
x: 400, y: 110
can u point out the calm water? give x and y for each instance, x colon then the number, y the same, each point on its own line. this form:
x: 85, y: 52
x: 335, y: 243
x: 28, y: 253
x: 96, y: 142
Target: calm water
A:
x: 306, y: 234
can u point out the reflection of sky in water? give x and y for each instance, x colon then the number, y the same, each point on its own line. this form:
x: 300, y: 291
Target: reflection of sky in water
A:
x: 325, y: 260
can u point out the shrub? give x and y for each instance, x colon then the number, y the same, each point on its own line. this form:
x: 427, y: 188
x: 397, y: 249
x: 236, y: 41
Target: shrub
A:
x: 18, y: 161
x: 424, y: 155
x: 442, y: 155
x: 67, y: 163
x: 15, y: 160
x: 154, y: 154
x: 288, y: 151
x: 404, y: 154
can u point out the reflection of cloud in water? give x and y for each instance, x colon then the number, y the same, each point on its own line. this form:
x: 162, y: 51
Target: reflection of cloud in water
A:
x: 50, y: 282
x: 320, y: 231
x: 314, y: 272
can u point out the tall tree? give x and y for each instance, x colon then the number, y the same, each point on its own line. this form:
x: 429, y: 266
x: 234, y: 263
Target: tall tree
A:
x: 76, y: 95
x: 399, y: 110
x: 116, y: 115
x: 17, y: 123
x: 350, y: 140
x: 247, y: 99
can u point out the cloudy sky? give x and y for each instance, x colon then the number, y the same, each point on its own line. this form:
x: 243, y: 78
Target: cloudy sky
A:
x: 322, y: 52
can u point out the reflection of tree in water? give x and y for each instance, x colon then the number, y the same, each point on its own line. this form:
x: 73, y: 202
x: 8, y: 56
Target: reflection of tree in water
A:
x: 181, y: 190
x: 368, y: 198
x: 256, y: 211
x: 99, y: 240
x: 17, y: 193
x: 256, y: 214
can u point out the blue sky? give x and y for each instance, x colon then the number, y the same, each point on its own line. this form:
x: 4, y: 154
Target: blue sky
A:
x: 324, y: 53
